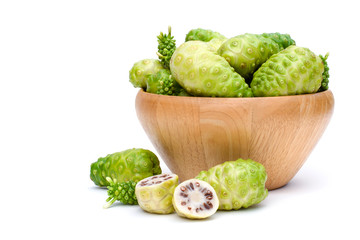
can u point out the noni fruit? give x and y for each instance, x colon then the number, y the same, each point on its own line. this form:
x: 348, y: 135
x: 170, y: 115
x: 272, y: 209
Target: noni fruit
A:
x: 141, y: 70
x: 155, y: 194
x: 123, y: 192
x: 325, y: 75
x: 166, y: 48
x: 214, y: 39
x: 203, y: 35
x: 247, y: 52
x: 201, y: 72
x: 238, y: 184
x: 164, y: 84
x: 132, y: 164
x: 283, y: 40
x: 294, y: 70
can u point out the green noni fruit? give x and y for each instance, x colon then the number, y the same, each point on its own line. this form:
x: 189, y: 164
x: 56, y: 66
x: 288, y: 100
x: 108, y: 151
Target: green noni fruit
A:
x: 164, y: 84
x: 214, y: 39
x: 201, y: 72
x: 203, y: 35
x: 123, y: 192
x: 325, y: 75
x: 294, y: 70
x: 238, y: 184
x: 166, y: 47
x: 141, y: 70
x: 247, y: 52
x: 283, y: 40
x: 132, y: 164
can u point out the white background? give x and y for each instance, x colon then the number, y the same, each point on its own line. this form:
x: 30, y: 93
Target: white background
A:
x: 65, y: 100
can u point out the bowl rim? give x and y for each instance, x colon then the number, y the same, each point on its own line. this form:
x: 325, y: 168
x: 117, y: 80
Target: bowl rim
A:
x: 328, y: 91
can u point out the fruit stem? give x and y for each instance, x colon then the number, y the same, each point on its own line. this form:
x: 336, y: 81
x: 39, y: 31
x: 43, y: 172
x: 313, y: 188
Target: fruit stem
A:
x: 325, y: 57
x: 107, y: 205
x: 169, y: 30
x: 110, y: 180
x: 160, y: 55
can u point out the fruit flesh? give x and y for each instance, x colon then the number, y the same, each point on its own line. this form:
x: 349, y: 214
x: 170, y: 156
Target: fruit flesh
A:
x: 132, y: 164
x: 201, y: 72
x: 238, y: 184
x: 195, y: 199
x: 295, y: 70
x: 154, y: 194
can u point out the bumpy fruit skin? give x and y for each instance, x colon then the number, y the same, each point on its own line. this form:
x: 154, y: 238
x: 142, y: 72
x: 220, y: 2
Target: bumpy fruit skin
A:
x: 157, y: 198
x: 325, y: 75
x: 216, y: 43
x: 123, y: 192
x: 214, y: 39
x: 164, y: 84
x: 141, y: 70
x: 203, y: 35
x: 295, y: 70
x: 283, y: 40
x: 238, y: 184
x: 247, y: 52
x: 132, y: 164
x: 201, y: 72
x: 166, y: 48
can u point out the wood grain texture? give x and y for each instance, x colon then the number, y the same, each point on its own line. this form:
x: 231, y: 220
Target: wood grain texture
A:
x: 192, y: 134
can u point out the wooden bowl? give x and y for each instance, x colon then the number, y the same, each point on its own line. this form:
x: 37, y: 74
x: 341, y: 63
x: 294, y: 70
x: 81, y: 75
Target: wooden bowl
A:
x: 195, y: 133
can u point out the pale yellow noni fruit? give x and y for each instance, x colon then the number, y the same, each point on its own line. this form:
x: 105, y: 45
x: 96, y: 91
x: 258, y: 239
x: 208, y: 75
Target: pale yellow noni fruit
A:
x: 155, y: 193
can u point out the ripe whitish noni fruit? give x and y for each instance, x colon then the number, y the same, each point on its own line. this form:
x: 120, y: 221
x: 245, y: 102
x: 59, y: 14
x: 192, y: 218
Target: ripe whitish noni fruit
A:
x: 195, y: 199
x: 154, y: 194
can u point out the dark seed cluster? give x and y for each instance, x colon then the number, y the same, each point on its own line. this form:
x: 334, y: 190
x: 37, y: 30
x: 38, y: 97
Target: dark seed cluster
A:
x: 186, y: 190
x: 155, y: 179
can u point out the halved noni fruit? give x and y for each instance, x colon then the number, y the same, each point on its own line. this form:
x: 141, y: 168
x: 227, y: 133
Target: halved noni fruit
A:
x: 154, y: 194
x: 195, y: 199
